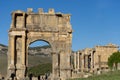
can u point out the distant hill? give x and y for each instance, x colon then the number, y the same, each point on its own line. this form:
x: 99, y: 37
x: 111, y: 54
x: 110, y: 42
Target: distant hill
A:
x: 3, y: 49
x: 38, y: 47
x: 38, y: 50
x: 3, y: 45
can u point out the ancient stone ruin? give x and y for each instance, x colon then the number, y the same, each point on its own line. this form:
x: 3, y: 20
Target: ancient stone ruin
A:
x: 27, y: 27
x: 92, y: 60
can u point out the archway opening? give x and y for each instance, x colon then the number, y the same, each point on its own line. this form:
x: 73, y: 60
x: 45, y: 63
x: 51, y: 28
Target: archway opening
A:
x: 39, y: 59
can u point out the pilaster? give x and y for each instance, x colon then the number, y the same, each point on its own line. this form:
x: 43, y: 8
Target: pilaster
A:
x: 23, y: 50
x: 12, y: 49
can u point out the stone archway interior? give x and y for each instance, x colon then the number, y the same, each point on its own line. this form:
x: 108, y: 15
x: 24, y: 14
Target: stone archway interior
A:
x: 39, y: 59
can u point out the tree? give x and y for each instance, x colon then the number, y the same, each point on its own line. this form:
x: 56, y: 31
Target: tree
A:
x: 113, y: 60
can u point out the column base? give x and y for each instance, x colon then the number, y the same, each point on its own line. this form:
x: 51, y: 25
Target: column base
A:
x: 10, y: 72
x: 20, y: 71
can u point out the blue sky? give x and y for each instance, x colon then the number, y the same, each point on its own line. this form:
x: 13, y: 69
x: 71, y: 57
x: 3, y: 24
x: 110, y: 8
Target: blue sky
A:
x: 94, y: 22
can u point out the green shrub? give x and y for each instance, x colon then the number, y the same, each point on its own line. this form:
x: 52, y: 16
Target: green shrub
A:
x: 113, y: 60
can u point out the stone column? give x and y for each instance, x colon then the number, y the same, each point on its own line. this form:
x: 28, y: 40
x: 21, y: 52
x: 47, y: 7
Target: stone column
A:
x: 20, y: 55
x: 12, y: 51
x: 99, y: 61
x: 55, y: 67
x: 65, y: 68
x: 75, y: 61
x: 23, y: 50
x: 86, y: 62
x: 78, y: 59
x: 63, y: 65
x: 11, y: 56
x: 23, y: 66
x: 82, y: 62
x: 91, y: 63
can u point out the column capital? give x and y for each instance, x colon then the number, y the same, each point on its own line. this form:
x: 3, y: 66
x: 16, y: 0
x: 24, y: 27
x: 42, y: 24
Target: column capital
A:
x: 12, y: 36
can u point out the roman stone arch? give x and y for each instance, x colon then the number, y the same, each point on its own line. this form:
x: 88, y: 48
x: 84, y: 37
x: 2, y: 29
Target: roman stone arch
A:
x: 27, y: 27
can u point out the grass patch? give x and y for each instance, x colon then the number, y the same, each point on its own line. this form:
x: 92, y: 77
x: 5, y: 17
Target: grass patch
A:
x: 40, y: 69
x: 3, y: 64
x: 113, y: 75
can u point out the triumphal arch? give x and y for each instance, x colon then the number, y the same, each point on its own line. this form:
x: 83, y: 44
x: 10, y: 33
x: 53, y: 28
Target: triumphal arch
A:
x: 27, y: 27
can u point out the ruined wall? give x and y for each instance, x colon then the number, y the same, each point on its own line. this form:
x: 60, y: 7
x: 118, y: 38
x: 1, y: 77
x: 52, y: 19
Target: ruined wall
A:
x: 102, y: 53
x: 93, y: 59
